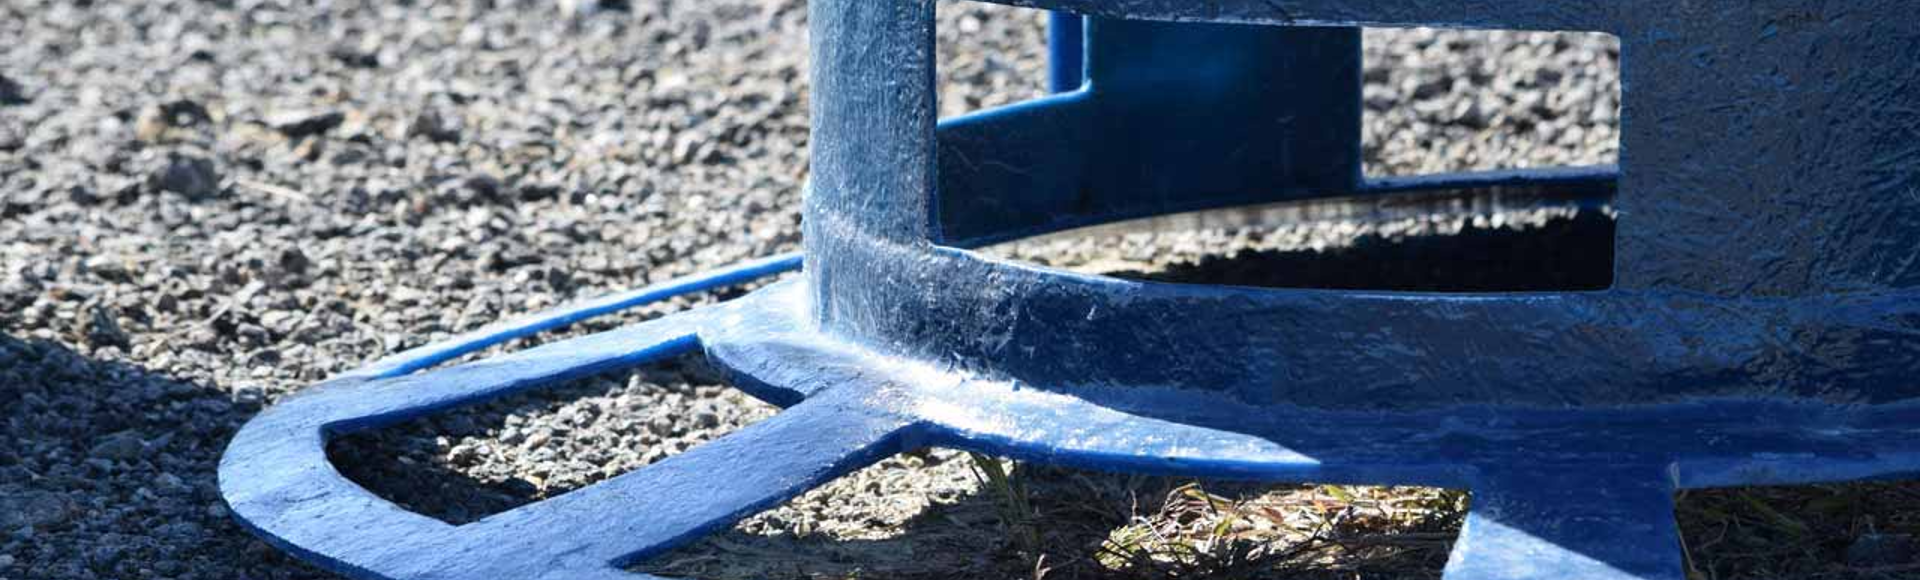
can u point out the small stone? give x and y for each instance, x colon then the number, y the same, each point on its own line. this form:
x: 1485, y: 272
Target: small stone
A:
x: 351, y: 156
x: 108, y: 267
x: 293, y: 261
x: 169, y: 482
x: 462, y: 455
x: 156, y: 123
x: 82, y: 195
x: 482, y: 186
x: 308, y: 149
x: 660, y: 425
x: 10, y: 138
x: 103, y: 330
x: 183, y: 532
x: 122, y: 446
x: 580, y: 8
x: 538, y: 439
x: 24, y: 512
x: 354, y: 57
x: 188, y: 175
x: 1878, y: 550
x: 300, y: 123
x: 11, y: 93
x: 434, y: 126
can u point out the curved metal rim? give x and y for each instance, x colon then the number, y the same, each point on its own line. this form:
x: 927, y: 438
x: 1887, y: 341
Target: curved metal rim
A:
x: 853, y: 404
x: 1706, y: 442
x: 1314, y: 347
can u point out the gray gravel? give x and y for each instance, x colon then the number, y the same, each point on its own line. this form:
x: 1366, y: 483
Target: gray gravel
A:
x: 205, y: 206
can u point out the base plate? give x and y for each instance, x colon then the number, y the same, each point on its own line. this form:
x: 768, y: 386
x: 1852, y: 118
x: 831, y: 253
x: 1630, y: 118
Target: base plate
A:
x: 1558, y: 493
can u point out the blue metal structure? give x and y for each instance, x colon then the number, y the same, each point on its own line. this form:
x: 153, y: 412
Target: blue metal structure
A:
x: 1762, y: 325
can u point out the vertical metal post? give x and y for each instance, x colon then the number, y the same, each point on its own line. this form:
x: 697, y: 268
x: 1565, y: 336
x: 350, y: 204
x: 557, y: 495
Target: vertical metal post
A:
x: 1066, y: 51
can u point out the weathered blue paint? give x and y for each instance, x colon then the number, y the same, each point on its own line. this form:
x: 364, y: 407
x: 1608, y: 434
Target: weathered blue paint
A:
x: 1764, y: 327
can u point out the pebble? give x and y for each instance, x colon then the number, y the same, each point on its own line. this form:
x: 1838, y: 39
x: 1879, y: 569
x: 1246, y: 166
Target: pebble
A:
x: 24, y: 512
x: 11, y: 139
x: 189, y: 175
x: 434, y: 125
x: 158, y: 123
x: 584, y: 8
x: 303, y: 123
x: 11, y: 93
x: 122, y: 446
x: 354, y: 57
x: 103, y: 331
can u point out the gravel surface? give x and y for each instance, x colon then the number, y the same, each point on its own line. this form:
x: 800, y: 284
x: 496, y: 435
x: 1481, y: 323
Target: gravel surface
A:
x: 205, y: 206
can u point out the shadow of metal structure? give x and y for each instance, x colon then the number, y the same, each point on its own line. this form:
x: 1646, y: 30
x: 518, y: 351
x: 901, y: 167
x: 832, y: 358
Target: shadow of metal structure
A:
x: 1762, y: 325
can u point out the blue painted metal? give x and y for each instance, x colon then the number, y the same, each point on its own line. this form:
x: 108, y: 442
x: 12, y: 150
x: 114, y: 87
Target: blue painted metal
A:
x: 1066, y: 51
x: 1197, y: 97
x: 1763, y: 327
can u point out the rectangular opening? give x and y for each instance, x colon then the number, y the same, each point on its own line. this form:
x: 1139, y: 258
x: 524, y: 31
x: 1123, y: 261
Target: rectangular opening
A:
x: 468, y: 463
x: 1857, y: 531
x: 1441, y: 101
x: 938, y: 514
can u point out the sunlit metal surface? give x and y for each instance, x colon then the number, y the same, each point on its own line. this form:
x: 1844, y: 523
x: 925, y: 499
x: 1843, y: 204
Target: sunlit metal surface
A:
x: 1763, y: 326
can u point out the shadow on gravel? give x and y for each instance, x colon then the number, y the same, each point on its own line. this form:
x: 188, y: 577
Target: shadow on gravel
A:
x: 956, y: 537
x: 1086, y: 525
x: 107, y: 470
x: 1565, y: 253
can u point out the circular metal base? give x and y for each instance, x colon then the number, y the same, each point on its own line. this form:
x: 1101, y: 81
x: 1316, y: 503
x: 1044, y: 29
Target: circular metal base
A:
x: 1558, y: 493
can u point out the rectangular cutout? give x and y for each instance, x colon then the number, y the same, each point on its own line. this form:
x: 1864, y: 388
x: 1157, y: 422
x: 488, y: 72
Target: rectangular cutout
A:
x: 468, y: 463
x: 938, y: 514
x: 1863, y: 530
